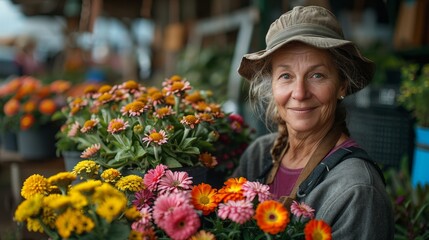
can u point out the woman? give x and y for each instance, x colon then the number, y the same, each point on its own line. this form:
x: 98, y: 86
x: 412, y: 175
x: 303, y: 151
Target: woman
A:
x: 300, y: 79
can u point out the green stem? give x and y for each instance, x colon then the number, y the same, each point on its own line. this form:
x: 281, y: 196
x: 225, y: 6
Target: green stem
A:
x: 53, y: 235
x: 176, y: 104
x: 155, y: 152
x: 185, y: 135
x: 268, y: 236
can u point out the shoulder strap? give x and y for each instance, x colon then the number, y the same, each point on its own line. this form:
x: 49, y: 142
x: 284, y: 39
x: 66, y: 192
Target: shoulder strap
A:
x: 329, y: 163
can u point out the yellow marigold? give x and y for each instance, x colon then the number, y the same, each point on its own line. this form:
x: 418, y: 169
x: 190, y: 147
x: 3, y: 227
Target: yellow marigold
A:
x: 132, y: 213
x: 87, y: 187
x: 73, y: 220
x: 131, y: 183
x: 62, y: 179
x: 85, y: 224
x: 78, y: 200
x: 59, y: 203
x: 111, y: 175
x: 35, y: 184
x: 135, y: 235
x: 111, y: 208
x: 106, y: 191
x: 33, y: 225
x: 28, y: 208
x: 48, y: 217
x: 86, y: 169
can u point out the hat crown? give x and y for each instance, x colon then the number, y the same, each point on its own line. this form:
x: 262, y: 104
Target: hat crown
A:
x: 309, y: 20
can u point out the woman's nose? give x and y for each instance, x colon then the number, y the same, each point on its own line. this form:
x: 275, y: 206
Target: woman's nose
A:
x: 299, y: 91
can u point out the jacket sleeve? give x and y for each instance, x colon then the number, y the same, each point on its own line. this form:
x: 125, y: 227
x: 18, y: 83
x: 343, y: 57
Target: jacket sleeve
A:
x: 353, y: 201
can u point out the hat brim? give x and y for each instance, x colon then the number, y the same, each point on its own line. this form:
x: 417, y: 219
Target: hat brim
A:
x: 253, y: 62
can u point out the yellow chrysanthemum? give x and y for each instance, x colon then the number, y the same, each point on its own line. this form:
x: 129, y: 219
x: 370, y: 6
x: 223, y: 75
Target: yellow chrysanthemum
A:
x: 59, y: 203
x: 111, y: 175
x: 87, y: 187
x: 132, y: 183
x: 62, y: 179
x: 35, y: 184
x: 78, y: 200
x: 111, y: 208
x: 106, y: 191
x: 30, y: 207
x: 86, y: 169
x: 72, y: 220
x: 132, y: 213
x: 48, y: 217
x: 84, y: 224
x: 33, y: 225
x: 134, y: 235
x: 272, y: 217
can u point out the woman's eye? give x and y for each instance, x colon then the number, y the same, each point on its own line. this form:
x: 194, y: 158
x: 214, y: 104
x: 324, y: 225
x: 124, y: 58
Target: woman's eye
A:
x: 284, y: 76
x: 317, y: 75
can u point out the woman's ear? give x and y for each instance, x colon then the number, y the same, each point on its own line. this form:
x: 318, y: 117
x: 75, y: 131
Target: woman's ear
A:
x: 342, y: 91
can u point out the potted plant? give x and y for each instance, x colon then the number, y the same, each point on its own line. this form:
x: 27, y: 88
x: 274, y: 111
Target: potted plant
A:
x: 29, y: 108
x: 414, y: 96
x: 131, y: 127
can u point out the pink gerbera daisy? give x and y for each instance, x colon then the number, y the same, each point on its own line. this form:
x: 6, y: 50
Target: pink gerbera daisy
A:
x: 165, y: 204
x: 162, y: 112
x: 301, y: 209
x: 152, y: 177
x: 74, y: 129
x: 156, y: 137
x: 182, y: 223
x: 91, y: 151
x: 237, y: 211
x: 174, y: 181
x: 143, y: 198
x: 117, y: 125
x: 190, y: 121
x: 145, y: 222
x: 253, y: 189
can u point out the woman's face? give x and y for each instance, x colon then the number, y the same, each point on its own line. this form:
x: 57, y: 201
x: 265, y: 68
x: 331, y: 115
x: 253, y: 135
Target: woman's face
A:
x: 306, y: 86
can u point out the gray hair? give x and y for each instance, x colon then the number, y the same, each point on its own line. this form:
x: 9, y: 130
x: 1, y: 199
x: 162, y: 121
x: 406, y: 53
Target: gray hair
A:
x: 260, y: 91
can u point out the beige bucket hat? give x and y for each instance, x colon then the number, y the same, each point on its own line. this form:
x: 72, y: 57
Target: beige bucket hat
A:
x: 312, y: 25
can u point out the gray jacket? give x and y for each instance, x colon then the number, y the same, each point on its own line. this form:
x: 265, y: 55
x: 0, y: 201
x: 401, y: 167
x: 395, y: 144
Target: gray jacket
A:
x: 352, y: 198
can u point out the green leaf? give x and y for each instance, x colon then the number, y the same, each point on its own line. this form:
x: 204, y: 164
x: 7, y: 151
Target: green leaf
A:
x: 172, y: 163
x: 118, y: 231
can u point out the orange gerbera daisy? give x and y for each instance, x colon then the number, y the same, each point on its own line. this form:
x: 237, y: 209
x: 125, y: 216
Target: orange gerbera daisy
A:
x: 317, y: 230
x: 27, y: 121
x: 232, y: 189
x: 272, y: 217
x: 204, y: 198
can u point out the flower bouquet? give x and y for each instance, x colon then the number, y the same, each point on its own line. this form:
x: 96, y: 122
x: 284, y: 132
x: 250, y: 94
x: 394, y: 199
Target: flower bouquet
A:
x: 132, y: 127
x: 163, y: 204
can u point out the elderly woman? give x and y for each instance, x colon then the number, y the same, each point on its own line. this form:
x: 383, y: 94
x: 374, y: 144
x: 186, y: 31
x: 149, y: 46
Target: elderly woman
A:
x: 300, y: 80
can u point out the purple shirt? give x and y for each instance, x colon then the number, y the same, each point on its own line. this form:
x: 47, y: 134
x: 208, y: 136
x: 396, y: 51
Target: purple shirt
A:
x: 285, y: 178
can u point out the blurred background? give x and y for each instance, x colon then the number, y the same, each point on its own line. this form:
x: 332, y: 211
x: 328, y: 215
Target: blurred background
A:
x: 145, y: 40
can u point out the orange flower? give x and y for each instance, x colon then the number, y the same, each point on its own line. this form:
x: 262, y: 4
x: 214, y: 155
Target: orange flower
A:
x: 47, y: 106
x: 204, y: 198
x: 29, y: 106
x: 27, y: 121
x: 317, y: 230
x: 232, y: 189
x: 272, y: 217
x: 60, y: 86
x: 11, y: 108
